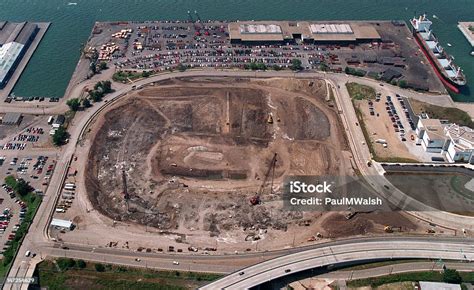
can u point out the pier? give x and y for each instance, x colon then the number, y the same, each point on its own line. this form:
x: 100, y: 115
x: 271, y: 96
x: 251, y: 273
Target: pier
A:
x: 23, y: 62
x: 469, y: 34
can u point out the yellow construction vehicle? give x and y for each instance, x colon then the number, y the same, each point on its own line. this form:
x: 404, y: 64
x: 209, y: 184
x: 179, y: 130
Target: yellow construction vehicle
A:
x: 270, y: 119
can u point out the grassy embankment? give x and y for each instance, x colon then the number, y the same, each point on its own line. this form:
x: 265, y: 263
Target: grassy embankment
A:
x: 128, y: 76
x: 360, y: 92
x: 65, y: 273
x: 33, y: 202
x: 453, y: 115
x: 432, y: 276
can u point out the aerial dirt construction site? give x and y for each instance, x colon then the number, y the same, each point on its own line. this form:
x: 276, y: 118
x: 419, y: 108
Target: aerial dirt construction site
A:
x: 199, y: 163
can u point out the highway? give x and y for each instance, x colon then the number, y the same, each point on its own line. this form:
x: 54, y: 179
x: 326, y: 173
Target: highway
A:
x: 334, y: 255
x: 37, y: 239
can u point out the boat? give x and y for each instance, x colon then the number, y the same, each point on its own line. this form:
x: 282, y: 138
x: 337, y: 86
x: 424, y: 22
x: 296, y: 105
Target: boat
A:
x: 450, y: 74
x: 472, y: 53
x: 449, y: 44
x: 71, y: 3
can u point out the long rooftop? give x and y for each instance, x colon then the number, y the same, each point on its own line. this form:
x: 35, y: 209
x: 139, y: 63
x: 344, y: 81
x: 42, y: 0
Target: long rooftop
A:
x: 307, y: 30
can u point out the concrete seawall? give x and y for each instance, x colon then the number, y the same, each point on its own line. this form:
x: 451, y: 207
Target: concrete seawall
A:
x: 464, y: 27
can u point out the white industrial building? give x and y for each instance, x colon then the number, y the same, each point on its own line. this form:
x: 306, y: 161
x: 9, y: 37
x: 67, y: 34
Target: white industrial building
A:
x: 461, y: 143
x: 62, y: 224
x: 455, y: 142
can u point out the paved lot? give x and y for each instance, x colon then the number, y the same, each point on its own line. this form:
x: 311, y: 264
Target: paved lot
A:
x: 9, y: 217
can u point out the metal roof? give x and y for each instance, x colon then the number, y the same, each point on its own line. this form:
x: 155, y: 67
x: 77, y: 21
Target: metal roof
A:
x: 61, y: 223
x: 438, y: 286
x: 9, y: 53
x: 11, y: 118
x: 27, y: 33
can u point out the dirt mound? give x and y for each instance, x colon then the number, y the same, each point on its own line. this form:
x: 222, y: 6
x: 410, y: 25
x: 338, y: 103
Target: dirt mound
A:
x: 336, y: 225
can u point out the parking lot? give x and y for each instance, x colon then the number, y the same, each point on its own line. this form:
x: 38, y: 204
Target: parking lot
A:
x: 36, y: 170
x: 30, y: 137
x: 12, y: 213
x: 391, y: 126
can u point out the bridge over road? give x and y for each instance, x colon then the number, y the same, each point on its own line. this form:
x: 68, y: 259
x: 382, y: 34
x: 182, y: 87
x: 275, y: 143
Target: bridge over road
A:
x: 349, y: 251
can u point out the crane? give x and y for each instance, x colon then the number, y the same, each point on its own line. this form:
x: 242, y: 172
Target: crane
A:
x: 190, y: 17
x: 195, y: 25
x: 206, y: 31
x: 271, y: 168
x: 126, y: 196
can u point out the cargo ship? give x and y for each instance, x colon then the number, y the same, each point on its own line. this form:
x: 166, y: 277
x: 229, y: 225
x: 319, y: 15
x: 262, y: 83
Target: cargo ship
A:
x: 450, y: 74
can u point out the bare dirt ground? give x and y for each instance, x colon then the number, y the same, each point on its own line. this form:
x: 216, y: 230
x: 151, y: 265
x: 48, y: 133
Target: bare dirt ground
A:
x: 195, y: 151
x: 381, y: 127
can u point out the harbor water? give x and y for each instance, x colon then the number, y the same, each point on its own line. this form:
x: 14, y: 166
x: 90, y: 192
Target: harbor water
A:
x: 53, y: 63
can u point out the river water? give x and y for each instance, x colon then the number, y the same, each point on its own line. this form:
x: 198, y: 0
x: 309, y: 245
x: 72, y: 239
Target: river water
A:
x: 53, y: 63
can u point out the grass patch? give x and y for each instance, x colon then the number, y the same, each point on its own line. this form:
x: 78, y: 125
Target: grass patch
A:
x: 381, y: 264
x: 453, y: 115
x: 127, y: 76
x: 360, y: 92
x: 65, y: 273
x: 431, y: 276
x: 364, y: 129
x: 33, y: 202
x: 395, y: 160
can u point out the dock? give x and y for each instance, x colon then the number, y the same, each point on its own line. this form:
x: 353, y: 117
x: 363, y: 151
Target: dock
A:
x: 469, y: 34
x: 42, y: 28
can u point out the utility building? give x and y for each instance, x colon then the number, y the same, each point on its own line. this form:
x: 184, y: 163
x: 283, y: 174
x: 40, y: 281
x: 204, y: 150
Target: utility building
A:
x: 62, y: 224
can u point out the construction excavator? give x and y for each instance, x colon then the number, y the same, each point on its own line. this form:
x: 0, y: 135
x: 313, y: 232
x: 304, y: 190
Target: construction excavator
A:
x: 271, y: 169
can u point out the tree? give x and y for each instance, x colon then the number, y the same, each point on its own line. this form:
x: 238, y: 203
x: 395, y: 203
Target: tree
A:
x: 102, y: 65
x: 86, y: 103
x: 60, y: 136
x: 296, y: 64
x: 276, y: 67
x: 402, y: 84
x: 65, y: 263
x: 451, y: 276
x: 22, y: 187
x: 99, y: 267
x: 146, y: 74
x: 181, y: 67
x: 93, y: 68
x: 96, y: 96
x: 81, y: 264
x: 74, y: 104
x: 257, y: 66
x: 105, y: 86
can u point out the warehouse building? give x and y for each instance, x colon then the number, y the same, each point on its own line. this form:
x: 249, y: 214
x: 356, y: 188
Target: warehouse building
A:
x: 309, y: 32
x: 15, y: 38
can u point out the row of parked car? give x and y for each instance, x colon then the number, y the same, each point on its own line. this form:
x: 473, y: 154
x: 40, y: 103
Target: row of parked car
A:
x: 407, y: 114
x: 7, y: 214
